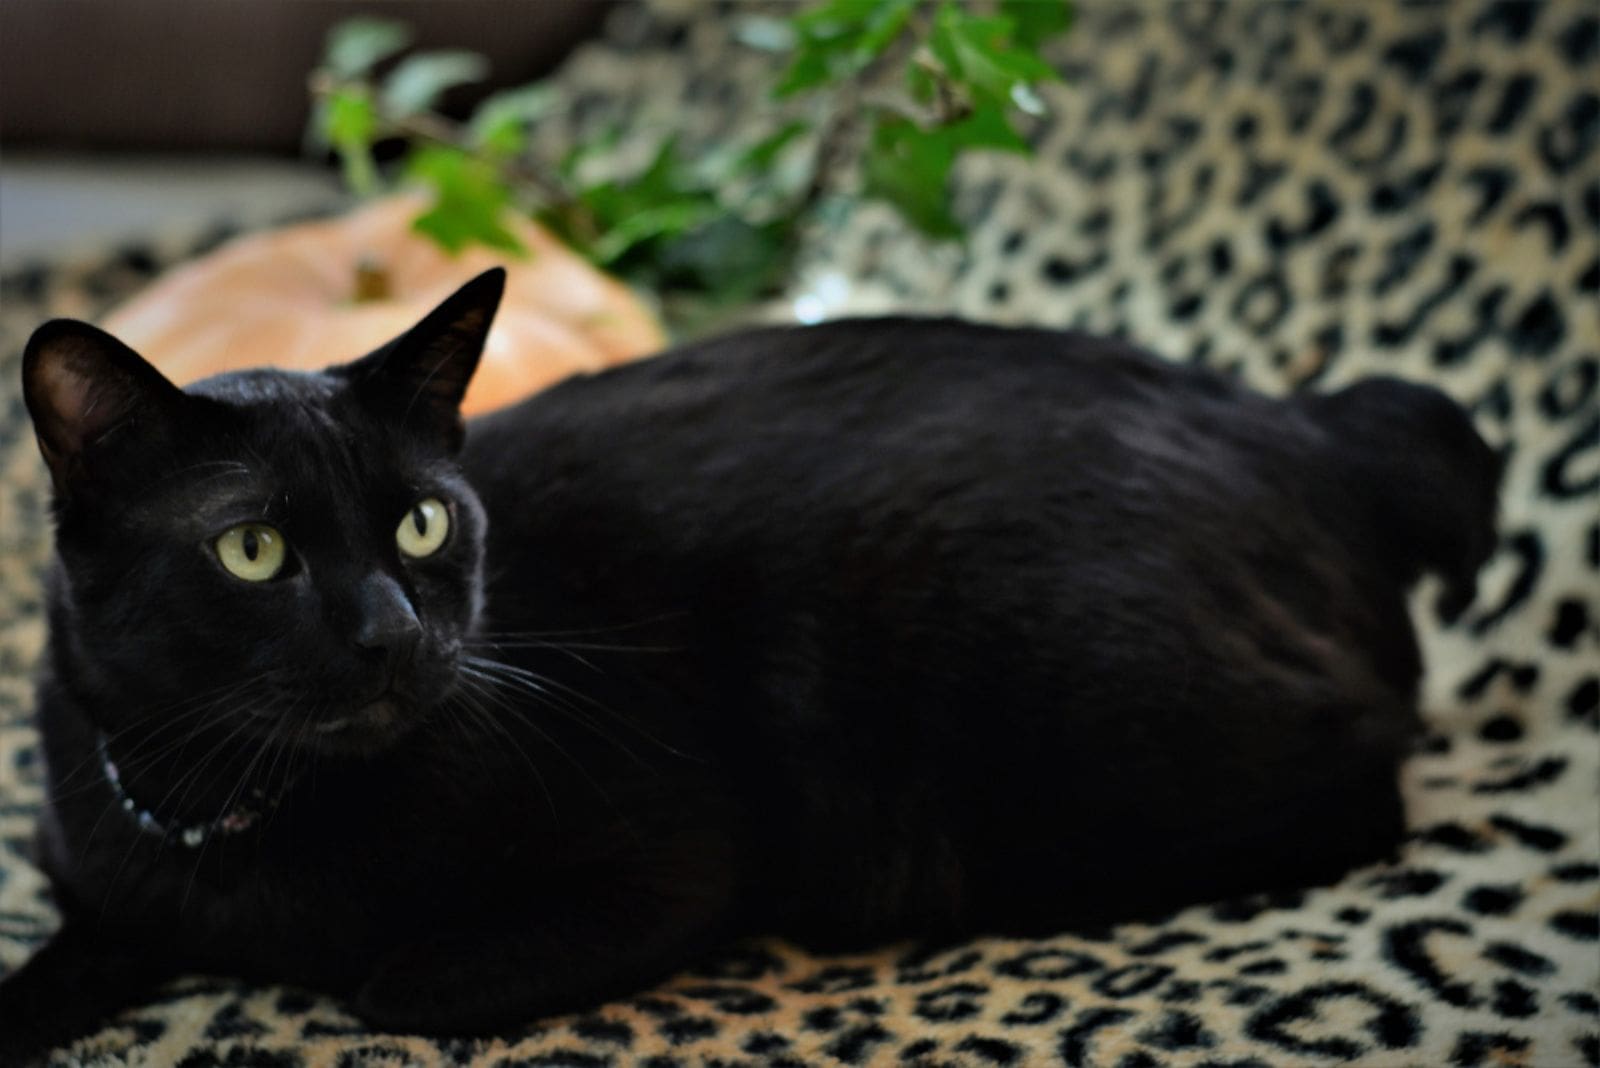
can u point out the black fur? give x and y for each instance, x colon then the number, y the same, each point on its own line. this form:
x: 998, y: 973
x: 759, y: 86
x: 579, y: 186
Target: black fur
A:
x: 758, y: 635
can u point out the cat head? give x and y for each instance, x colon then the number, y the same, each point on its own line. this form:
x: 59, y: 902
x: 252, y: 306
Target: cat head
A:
x: 296, y: 555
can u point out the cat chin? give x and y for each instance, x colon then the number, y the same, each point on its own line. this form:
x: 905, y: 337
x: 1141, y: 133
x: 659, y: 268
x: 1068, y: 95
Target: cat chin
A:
x: 364, y: 730
x: 368, y: 725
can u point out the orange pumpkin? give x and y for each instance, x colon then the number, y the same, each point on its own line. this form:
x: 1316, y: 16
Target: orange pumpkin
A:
x: 324, y: 292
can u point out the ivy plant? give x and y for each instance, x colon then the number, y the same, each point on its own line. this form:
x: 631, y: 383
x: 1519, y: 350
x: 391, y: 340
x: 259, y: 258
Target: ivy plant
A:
x: 873, y: 100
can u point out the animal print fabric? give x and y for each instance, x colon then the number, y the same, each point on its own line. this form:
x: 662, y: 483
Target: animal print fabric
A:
x: 1300, y: 193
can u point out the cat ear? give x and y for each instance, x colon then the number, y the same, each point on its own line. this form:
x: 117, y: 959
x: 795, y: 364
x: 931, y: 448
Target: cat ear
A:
x: 424, y: 372
x: 81, y: 386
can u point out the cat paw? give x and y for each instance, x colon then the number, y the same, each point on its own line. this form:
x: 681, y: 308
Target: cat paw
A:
x: 23, y: 1043
x: 23, y: 1047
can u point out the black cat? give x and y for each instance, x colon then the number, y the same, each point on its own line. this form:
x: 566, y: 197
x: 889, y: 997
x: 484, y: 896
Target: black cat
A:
x: 853, y: 632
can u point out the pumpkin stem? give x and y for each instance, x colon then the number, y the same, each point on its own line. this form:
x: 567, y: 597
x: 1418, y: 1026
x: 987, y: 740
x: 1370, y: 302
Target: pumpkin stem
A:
x: 372, y: 282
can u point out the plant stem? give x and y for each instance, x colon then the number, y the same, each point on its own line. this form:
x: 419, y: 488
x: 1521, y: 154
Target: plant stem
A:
x: 359, y: 172
x: 547, y: 189
x: 362, y: 176
x: 862, y: 94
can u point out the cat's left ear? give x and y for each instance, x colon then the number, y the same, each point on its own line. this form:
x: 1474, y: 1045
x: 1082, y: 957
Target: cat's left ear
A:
x: 422, y: 375
x: 89, y: 394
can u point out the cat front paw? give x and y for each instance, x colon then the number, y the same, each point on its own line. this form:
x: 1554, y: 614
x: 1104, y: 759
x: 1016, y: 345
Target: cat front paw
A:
x: 24, y: 1043
x: 26, y: 1035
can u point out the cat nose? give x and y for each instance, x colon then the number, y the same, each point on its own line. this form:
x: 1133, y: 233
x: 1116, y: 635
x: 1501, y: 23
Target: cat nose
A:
x: 388, y: 624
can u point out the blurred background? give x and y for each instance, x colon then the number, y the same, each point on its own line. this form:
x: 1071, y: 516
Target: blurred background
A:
x: 122, y: 116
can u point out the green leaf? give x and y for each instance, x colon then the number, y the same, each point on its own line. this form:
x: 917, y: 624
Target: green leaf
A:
x: 809, y: 69
x: 356, y: 45
x: 762, y: 154
x: 671, y: 223
x: 662, y: 200
x: 986, y: 127
x: 348, y: 122
x: 1033, y: 22
x: 974, y: 52
x: 942, y: 41
x: 922, y: 83
x: 910, y: 168
x: 470, y: 201
x: 500, y: 121
x: 612, y: 203
x: 727, y: 257
x: 882, y: 26
x: 660, y: 178
x: 834, y: 20
x: 580, y: 153
x: 722, y: 164
x: 839, y: 38
x: 663, y: 220
x: 502, y: 137
x: 418, y: 82
x: 453, y: 230
x: 350, y: 119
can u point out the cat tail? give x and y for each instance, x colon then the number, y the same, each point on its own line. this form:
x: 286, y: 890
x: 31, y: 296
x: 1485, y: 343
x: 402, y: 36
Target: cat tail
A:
x: 1428, y: 479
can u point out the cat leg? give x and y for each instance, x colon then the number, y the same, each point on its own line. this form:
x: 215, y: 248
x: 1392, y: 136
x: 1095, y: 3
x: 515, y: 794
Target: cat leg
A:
x: 69, y: 988
x: 606, y: 932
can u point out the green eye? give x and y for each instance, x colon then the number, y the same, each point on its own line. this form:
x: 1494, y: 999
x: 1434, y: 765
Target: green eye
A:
x: 251, y: 551
x: 424, y: 528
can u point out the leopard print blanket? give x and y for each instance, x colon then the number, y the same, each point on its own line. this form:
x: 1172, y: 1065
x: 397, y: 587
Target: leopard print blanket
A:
x: 1301, y: 194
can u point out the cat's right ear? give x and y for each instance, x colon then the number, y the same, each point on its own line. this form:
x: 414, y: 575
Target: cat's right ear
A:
x: 421, y: 376
x: 82, y: 387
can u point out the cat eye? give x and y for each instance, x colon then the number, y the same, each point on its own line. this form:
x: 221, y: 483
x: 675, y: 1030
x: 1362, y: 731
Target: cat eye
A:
x: 251, y: 551
x: 424, y: 528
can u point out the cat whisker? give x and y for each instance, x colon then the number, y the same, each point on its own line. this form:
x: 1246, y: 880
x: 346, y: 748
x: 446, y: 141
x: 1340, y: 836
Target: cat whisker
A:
x: 178, y: 713
x: 512, y: 641
x: 582, y: 632
x: 501, y: 643
x: 485, y: 684
x: 191, y: 777
x: 230, y: 801
x: 610, y: 628
x: 471, y: 692
x: 542, y: 686
x: 143, y: 755
x: 497, y: 646
x: 282, y: 750
x: 506, y: 677
x: 87, y: 775
x: 555, y: 643
x: 239, y: 701
x: 549, y: 739
x: 457, y: 715
x: 161, y: 742
x: 231, y: 468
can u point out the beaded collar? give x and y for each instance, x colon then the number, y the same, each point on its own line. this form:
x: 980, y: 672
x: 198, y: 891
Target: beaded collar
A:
x: 236, y: 820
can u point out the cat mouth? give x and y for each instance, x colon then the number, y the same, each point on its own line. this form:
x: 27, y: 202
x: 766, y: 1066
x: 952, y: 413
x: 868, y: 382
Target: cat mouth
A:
x: 380, y: 715
x: 369, y: 726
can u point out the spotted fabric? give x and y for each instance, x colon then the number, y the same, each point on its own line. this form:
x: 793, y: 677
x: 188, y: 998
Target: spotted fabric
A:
x: 1300, y: 194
